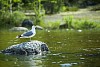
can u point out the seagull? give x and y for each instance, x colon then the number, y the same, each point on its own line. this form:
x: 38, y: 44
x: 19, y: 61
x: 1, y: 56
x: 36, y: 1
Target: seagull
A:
x: 28, y: 34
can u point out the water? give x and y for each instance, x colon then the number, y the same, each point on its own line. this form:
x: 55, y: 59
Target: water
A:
x: 69, y: 48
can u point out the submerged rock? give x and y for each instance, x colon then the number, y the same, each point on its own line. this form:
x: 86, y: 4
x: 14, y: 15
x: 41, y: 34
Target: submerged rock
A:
x: 27, y: 48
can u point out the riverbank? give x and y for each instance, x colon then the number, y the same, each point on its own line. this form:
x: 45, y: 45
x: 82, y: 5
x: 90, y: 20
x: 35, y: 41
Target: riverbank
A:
x: 82, y: 16
x: 81, y: 19
x: 81, y: 13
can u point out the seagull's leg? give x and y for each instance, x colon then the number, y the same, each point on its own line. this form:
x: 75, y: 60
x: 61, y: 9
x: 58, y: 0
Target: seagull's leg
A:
x: 30, y: 38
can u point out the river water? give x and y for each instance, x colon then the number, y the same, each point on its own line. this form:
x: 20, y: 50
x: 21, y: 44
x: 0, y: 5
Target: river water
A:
x: 68, y: 48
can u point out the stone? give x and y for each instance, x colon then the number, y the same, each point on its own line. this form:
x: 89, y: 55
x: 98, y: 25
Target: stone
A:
x: 39, y: 27
x: 27, y: 48
x: 27, y: 23
x: 63, y: 26
x: 18, y: 29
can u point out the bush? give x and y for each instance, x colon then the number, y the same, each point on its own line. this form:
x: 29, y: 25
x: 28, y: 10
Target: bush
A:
x: 80, y: 23
x: 63, y: 9
x: 17, y: 17
x: 87, y: 24
x: 14, y: 19
x: 68, y: 21
x: 5, y: 18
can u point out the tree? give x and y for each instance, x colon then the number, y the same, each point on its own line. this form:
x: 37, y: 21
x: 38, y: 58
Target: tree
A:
x: 7, y: 5
x: 37, y: 7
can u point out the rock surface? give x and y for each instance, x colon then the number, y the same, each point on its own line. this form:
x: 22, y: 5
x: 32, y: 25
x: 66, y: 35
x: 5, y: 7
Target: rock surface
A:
x: 39, y: 27
x: 27, y: 48
x: 18, y: 29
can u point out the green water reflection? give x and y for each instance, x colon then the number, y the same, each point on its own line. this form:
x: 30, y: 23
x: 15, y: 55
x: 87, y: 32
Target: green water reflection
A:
x: 68, y: 49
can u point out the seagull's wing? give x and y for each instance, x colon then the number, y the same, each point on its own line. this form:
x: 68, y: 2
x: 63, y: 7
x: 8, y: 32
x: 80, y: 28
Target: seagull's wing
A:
x: 29, y: 33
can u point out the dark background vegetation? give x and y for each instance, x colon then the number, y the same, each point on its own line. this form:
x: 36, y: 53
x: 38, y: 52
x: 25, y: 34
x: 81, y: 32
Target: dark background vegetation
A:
x: 13, y: 12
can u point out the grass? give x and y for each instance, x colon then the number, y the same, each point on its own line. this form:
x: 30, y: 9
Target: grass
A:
x: 72, y: 23
x: 72, y: 8
x: 51, y: 25
x: 81, y: 23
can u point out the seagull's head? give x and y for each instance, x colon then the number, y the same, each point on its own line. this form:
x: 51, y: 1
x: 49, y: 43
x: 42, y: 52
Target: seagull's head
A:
x: 33, y: 27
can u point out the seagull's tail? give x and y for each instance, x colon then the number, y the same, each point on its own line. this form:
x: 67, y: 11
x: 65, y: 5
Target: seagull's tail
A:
x: 18, y: 36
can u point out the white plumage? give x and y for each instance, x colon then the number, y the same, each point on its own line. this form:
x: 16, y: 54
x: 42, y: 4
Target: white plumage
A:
x: 28, y: 34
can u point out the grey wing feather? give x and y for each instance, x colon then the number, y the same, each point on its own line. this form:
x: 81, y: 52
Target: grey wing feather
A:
x: 27, y: 33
